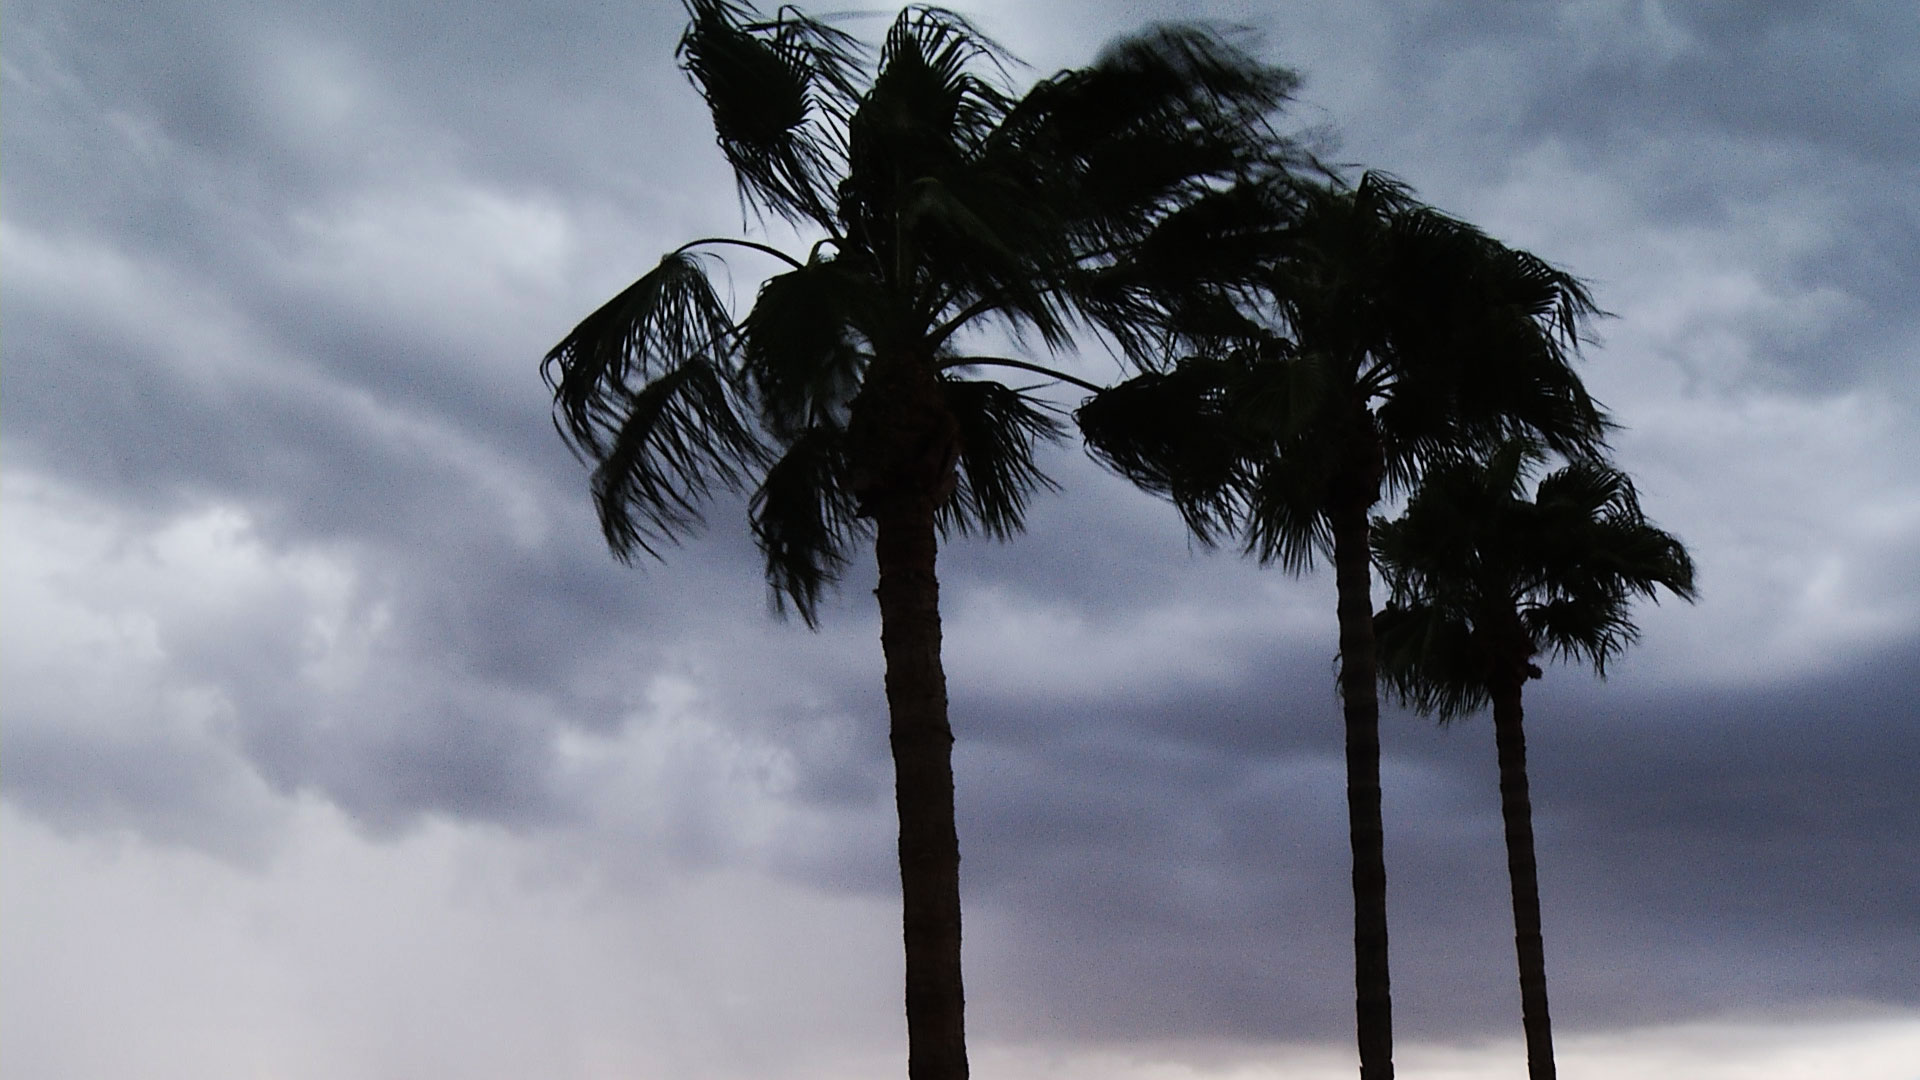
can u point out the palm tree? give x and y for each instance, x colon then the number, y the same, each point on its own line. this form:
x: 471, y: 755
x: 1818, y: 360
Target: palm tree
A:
x: 1393, y: 335
x: 842, y: 400
x: 1483, y: 581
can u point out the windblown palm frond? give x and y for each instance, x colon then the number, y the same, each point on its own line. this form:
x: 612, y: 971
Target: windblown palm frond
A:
x: 1430, y: 660
x: 1594, y: 552
x: 683, y: 433
x: 644, y: 387
x: 1117, y: 153
x: 803, y: 519
x: 802, y: 346
x: 668, y: 317
x: 999, y: 430
x: 779, y: 90
x: 1170, y: 433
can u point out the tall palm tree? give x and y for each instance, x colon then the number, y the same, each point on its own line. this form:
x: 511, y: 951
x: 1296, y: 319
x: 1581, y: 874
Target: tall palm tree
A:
x: 939, y: 202
x: 1483, y: 581
x: 1384, y: 335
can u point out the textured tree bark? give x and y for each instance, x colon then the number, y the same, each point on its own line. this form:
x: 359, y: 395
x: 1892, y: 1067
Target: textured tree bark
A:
x: 923, y: 793
x: 907, y: 444
x: 1516, y: 808
x: 1373, y: 997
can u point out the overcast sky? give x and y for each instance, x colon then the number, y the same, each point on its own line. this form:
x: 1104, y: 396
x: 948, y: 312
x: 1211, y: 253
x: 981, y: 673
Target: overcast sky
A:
x: 336, y: 745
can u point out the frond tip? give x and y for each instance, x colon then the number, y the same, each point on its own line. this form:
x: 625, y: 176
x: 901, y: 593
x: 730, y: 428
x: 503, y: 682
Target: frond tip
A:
x: 1169, y: 433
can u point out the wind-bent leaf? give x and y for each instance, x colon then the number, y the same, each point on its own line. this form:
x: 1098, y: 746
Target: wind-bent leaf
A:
x: 1190, y: 283
x: 801, y: 347
x: 668, y: 317
x: 683, y: 433
x: 938, y: 50
x: 776, y: 89
x: 1286, y: 520
x: 1430, y: 661
x: 1171, y: 434
x: 999, y: 427
x: 1107, y: 153
x: 803, y: 519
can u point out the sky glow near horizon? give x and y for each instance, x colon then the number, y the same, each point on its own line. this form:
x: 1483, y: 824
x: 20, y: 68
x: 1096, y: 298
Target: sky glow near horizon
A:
x: 335, y: 746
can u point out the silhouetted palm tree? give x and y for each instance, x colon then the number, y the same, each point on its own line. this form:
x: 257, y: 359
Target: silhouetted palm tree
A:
x: 1396, y: 335
x: 940, y: 203
x: 1483, y: 581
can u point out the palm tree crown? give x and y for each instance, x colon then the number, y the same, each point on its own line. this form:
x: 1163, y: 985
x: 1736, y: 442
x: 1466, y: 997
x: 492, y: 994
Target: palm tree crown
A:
x: 1388, y: 335
x: 940, y: 202
x: 1483, y: 581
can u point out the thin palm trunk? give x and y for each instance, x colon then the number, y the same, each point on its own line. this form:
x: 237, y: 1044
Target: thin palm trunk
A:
x: 1516, y: 808
x: 922, y: 741
x: 1373, y: 998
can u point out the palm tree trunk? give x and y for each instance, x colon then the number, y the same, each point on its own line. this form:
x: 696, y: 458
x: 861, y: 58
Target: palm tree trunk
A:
x: 1516, y: 808
x: 922, y: 744
x: 1373, y: 998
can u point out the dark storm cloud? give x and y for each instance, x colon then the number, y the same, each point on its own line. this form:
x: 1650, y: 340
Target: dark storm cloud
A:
x: 1726, y: 117
x: 283, y: 101
x: 1184, y: 874
x: 1754, y: 823
x: 166, y: 136
x: 179, y: 180
x: 1838, y: 79
x: 170, y: 791
x: 1768, y: 71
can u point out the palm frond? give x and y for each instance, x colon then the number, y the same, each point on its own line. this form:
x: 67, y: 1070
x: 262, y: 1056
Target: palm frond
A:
x: 1191, y: 282
x: 987, y: 242
x: 1170, y: 434
x: 1103, y: 156
x: 1284, y: 402
x: 682, y: 434
x: 1592, y: 626
x: 946, y: 230
x: 999, y: 429
x: 777, y: 89
x: 1286, y: 520
x: 1489, y: 330
x: 803, y: 519
x: 801, y: 347
x: 1190, y: 78
x: 1593, y: 551
x: 942, y: 49
x: 668, y: 317
x: 1430, y: 660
